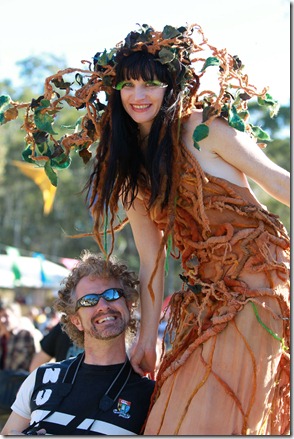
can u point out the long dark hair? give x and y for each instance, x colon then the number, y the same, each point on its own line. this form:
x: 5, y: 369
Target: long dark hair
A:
x: 121, y: 167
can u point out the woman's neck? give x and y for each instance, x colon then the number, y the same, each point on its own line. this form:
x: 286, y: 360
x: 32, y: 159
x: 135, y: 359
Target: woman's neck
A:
x: 143, y: 142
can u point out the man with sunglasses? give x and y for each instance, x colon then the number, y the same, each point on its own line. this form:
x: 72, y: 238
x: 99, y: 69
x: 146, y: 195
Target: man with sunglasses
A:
x: 96, y: 392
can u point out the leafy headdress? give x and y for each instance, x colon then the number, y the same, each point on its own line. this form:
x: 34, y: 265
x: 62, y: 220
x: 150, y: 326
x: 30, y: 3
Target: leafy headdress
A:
x: 186, y: 57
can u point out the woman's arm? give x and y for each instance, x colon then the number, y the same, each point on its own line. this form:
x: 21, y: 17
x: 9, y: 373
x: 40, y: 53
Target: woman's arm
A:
x: 147, y: 239
x: 242, y: 152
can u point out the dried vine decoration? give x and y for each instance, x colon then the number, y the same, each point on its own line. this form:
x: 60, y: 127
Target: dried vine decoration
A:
x: 173, y: 47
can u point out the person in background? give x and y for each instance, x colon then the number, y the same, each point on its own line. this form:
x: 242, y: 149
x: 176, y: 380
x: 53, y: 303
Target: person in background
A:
x: 55, y: 345
x: 19, y: 340
x: 102, y: 394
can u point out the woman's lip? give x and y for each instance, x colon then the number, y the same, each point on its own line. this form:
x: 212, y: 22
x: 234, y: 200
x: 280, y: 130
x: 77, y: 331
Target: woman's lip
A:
x: 140, y: 107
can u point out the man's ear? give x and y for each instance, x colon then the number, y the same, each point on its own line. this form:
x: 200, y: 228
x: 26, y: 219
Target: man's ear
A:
x: 75, y: 320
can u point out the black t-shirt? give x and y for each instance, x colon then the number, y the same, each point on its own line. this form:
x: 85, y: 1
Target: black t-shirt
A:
x: 79, y: 413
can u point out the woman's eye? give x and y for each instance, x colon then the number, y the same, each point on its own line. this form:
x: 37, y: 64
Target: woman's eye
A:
x: 155, y: 84
x: 122, y: 84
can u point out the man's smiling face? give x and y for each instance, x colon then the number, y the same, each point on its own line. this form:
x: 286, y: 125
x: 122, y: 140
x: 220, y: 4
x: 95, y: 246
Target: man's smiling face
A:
x: 105, y: 320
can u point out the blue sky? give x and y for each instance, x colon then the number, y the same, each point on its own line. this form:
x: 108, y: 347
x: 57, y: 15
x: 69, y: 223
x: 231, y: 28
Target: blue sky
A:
x: 258, y: 31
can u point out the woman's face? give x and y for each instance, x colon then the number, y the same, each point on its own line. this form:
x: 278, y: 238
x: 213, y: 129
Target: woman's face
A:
x: 142, y: 100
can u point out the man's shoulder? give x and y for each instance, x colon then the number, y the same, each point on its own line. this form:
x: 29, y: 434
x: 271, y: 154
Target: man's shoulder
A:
x: 61, y: 366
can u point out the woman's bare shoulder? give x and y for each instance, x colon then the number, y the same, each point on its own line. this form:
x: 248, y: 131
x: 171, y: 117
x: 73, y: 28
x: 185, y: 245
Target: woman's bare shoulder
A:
x: 196, y: 118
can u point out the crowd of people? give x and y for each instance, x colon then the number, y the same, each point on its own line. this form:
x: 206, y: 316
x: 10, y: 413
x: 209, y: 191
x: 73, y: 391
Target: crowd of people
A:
x: 177, y: 161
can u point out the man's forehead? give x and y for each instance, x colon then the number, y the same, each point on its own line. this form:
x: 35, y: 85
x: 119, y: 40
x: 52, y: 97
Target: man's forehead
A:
x: 94, y: 284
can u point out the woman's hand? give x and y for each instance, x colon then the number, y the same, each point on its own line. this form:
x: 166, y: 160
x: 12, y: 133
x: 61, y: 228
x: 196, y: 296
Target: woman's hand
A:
x: 143, y: 359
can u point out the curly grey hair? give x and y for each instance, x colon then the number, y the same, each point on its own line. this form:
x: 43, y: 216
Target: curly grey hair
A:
x: 96, y: 265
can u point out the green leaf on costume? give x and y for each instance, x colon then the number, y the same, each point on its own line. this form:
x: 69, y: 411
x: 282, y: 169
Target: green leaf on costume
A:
x: 200, y: 133
x: 61, y: 162
x: 169, y: 245
x: 170, y: 32
x: 244, y: 114
x: 50, y: 173
x: 26, y: 155
x: 166, y: 56
x: 61, y: 84
x: 235, y: 120
x: 208, y: 112
x: 260, y: 134
x: 44, y: 122
x: 211, y: 61
x: 4, y: 101
x: 103, y: 58
x: 43, y: 103
x: 4, y: 104
x: 268, y: 101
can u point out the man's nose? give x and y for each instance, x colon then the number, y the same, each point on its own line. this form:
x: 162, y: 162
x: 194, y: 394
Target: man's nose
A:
x: 102, y: 304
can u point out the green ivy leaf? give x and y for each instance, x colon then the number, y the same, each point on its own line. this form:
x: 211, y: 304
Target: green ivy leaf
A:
x: 166, y: 56
x: 61, y: 84
x: 200, y: 133
x: 44, y: 122
x: 211, y: 61
x: 269, y: 102
x: 26, y: 154
x: 43, y: 149
x: 208, y: 111
x: 235, y: 120
x: 4, y: 104
x: 61, y: 162
x: 43, y: 103
x: 244, y: 114
x: 260, y: 134
x: 50, y: 173
x: 103, y: 58
x: 170, y: 32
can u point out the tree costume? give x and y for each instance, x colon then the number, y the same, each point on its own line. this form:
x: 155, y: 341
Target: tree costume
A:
x: 230, y: 322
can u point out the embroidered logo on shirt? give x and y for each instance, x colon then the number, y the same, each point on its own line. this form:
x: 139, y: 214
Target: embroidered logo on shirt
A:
x: 123, y: 408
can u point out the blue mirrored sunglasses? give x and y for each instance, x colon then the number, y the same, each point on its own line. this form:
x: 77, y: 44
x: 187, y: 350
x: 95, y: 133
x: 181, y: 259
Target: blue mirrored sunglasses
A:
x: 92, y: 299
